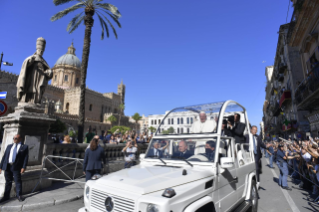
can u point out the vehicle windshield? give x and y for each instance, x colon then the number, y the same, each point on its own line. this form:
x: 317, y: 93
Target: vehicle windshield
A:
x: 191, y: 149
x: 196, y: 119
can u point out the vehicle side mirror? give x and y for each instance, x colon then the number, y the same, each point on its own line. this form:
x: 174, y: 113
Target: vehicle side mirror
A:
x: 226, y: 162
x: 142, y: 156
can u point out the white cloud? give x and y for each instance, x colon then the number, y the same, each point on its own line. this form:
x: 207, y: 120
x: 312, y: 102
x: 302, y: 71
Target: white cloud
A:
x: 263, y: 61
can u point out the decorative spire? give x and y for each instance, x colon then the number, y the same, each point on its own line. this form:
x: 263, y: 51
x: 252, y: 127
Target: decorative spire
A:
x: 71, y: 49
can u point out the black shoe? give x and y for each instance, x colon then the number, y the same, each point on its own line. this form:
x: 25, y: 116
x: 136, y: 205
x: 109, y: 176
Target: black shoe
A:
x: 20, y: 198
x: 3, y: 199
x: 287, y: 188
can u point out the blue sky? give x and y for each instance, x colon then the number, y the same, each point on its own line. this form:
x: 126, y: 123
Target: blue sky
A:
x: 169, y: 53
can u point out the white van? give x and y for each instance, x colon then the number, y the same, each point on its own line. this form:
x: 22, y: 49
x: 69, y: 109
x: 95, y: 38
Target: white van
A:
x: 198, y: 171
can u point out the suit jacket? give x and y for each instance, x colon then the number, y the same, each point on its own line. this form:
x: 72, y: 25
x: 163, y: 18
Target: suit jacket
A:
x: 238, y: 132
x: 93, y: 159
x: 21, y: 158
x: 260, y: 144
x: 186, y: 154
x: 152, y: 154
x: 227, y: 132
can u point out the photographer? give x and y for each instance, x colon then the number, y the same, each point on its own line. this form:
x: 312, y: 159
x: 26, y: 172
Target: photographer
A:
x: 130, y: 154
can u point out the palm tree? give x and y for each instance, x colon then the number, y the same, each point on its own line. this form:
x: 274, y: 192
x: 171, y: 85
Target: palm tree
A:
x: 152, y: 129
x: 90, y: 7
x: 122, y: 108
x: 136, y: 118
x: 112, y: 119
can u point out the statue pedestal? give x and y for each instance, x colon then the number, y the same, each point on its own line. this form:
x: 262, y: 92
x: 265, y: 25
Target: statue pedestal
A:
x: 33, y: 125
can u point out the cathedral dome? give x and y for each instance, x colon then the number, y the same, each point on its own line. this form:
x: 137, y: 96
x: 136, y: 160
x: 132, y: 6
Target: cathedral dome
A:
x: 69, y: 58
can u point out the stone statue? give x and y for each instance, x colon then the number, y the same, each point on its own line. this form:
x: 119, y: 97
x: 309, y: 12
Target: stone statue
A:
x: 34, y: 76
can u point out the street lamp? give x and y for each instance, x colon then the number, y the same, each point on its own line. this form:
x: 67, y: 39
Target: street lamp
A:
x: 4, y: 63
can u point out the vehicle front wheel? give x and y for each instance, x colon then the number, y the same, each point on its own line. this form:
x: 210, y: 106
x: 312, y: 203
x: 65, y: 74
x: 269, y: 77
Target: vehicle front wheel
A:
x: 253, y: 197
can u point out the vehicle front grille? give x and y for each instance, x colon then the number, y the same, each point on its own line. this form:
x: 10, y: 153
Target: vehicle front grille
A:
x: 121, y: 204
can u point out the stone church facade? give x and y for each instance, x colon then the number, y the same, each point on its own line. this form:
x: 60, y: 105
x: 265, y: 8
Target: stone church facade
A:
x: 62, y: 98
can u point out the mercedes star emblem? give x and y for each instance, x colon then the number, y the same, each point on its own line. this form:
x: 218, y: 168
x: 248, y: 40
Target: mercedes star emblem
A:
x: 109, y: 204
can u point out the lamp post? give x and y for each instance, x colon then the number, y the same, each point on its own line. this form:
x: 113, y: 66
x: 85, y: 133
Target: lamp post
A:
x: 4, y: 63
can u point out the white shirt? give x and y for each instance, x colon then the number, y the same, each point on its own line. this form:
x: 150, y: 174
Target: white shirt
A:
x: 307, y: 157
x: 207, y: 126
x: 130, y: 154
x: 11, y: 151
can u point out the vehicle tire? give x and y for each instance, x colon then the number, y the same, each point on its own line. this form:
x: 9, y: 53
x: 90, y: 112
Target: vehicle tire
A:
x: 253, y: 197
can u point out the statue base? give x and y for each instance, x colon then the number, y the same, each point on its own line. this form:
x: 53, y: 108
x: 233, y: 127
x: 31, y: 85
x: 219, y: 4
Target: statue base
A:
x: 33, y: 125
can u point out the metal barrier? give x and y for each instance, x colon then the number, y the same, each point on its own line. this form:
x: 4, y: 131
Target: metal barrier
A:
x: 75, y: 161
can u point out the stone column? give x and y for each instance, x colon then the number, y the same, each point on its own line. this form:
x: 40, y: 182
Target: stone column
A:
x: 32, y: 124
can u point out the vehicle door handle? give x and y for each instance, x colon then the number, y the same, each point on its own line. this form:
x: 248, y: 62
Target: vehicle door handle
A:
x: 235, y: 178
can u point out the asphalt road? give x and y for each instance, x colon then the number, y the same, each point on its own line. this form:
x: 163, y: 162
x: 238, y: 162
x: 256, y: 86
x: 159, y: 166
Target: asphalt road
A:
x: 272, y: 197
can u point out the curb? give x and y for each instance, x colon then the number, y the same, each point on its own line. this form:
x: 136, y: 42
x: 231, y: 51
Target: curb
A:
x: 33, y: 206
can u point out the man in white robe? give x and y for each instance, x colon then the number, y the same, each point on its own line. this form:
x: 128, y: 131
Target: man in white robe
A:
x: 203, y: 125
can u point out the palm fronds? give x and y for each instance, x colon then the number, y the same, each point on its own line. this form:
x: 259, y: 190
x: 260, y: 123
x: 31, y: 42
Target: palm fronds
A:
x: 59, y: 2
x: 100, y: 8
x: 102, y: 22
x: 73, y: 21
x: 67, y: 11
x: 110, y: 8
x: 75, y: 26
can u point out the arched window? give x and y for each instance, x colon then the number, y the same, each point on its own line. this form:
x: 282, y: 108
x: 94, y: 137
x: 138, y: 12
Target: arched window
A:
x: 152, y: 122
x: 192, y: 120
x: 178, y: 130
x: 182, y: 120
x: 155, y: 122
x: 159, y: 121
x: 172, y: 121
x: 77, y: 80
x: 187, y: 120
x: 177, y: 120
x: 187, y: 130
x: 66, y: 78
x: 55, y: 77
x: 90, y: 108
x: 67, y: 107
x: 182, y: 130
x: 169, y: 121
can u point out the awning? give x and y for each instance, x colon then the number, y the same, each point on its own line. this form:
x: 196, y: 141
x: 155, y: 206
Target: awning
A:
x: 285, y: 97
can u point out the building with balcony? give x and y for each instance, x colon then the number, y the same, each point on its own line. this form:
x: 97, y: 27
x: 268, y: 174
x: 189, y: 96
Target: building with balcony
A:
x: 281, y: 115
x: 303, y: 34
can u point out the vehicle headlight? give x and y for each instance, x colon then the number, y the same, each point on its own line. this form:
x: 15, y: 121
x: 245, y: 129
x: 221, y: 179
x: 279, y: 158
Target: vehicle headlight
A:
x: 152, y: 208
x: 169, y: 193
x: 87, y: 192
x: 96, y: 177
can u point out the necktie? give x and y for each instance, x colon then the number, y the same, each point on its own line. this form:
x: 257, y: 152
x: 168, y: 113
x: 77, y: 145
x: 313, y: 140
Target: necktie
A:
x: 255, y: 149
x: 14, y: 153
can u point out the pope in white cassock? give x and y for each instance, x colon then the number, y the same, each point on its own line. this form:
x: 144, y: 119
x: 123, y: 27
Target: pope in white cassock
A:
x: 203, y: 125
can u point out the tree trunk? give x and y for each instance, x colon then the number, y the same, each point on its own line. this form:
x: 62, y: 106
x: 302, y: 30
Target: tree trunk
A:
x: 119, y: 119
x: 88, y: 21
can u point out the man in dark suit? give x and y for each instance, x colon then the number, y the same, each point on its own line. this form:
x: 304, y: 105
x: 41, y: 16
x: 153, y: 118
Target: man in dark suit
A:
x: 237, y: 128
x: 14, y: 163
x: 182, y: 152
x: 225, y: 130
x: 257, y: 144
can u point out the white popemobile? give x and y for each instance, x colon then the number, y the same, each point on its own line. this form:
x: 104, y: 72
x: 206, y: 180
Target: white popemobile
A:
x: 190, y: 172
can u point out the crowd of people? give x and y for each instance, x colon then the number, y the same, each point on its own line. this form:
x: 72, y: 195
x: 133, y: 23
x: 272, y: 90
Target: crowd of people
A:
x: 297, y: 158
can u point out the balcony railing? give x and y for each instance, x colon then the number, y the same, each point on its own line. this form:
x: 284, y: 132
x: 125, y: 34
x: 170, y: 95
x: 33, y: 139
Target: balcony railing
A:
x: 280, y: 77
x: 285, y: 97
x: 282, y: 68
x: 308, y: 86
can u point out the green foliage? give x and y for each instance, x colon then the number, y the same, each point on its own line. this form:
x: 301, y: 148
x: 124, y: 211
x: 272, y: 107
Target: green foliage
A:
x: 168, y: 131
x: 152, y: 129
x: 73, y: 134
x: 57, y: 127
x: 122, y: 129
x: 112, y: 119
x: 122, y: 107
x: 136, y: 117
x: 97, y: 8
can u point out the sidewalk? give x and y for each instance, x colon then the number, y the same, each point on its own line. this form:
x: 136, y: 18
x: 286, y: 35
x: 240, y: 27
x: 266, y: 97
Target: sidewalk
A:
x: 58, y: 193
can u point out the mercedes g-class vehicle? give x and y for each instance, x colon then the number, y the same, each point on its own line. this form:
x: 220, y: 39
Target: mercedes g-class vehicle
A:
x: 195, y: 162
